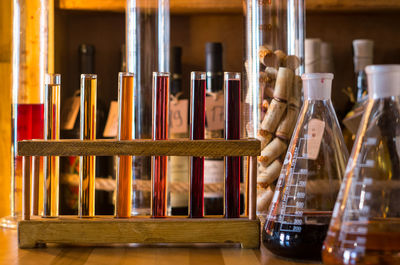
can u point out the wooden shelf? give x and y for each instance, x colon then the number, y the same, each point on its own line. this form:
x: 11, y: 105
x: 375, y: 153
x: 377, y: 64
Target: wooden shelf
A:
x: 232, y: 6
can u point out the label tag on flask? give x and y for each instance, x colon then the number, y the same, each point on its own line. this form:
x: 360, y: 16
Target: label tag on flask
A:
x: 69, y: 112
x: 179, y: 116
x: 111, y: 128
x: 215, y: 113
x: 315, y: 132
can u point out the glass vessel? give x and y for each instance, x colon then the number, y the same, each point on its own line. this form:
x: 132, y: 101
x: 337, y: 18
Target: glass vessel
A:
x: 51, y: 164
x: 87, y: 164
x: 160, y: 128
x: 274, y: 62
x: 197, y: 131
x: 365, y: 227
x: 147, y: 51
x: 301, y: 208
x: 123, y: 202
x: 31, y: 60
x: 232, y: 165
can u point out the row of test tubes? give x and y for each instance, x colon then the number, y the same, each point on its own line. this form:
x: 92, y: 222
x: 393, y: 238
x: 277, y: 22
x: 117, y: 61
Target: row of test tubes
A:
x: 126, y: 121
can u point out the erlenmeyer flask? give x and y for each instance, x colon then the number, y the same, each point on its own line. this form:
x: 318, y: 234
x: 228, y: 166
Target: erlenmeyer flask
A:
x: 365, y: 227
x: 301, y: 208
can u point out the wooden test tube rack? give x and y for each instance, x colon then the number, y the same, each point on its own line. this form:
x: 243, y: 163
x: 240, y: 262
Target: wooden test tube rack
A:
x: 34, y: 230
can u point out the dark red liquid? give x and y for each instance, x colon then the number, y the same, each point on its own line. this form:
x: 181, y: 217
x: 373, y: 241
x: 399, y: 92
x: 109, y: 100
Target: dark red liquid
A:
x: 306, y: 244
x: 232, y: 164
x: 160, y: 132
x: 198, y: 120
x: 29, y: 125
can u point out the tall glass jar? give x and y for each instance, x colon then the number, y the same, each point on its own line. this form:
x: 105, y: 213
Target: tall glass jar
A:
x: 31, y: 60
x: 147, y: 51
x: 273, y: 64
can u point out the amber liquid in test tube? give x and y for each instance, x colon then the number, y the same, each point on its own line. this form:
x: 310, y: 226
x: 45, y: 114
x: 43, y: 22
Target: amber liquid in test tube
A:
x: 87, y: 169
x: 197, y: 128
x: 160, y: 132
x: 125, y: 132
x: 232, y: 132
x: 51, y: 132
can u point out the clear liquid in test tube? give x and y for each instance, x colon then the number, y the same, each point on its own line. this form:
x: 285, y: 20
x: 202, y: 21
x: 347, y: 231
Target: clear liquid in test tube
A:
x: 51, y: 132
x: 87, y: 169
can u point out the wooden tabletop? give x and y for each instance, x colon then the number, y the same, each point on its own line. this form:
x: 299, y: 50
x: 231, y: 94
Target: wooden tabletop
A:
x: 11, y: 254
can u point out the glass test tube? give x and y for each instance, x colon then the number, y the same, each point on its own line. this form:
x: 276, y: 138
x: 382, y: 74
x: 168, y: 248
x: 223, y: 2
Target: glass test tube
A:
x: 87, y: 169
x: 160, y: 132
x: 51, y: 132
x: 232, y: 132
x: 125, y: 132
x: 197, y: 128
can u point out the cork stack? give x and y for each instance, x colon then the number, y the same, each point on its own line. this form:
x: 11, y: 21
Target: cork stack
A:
x: 278, y: 123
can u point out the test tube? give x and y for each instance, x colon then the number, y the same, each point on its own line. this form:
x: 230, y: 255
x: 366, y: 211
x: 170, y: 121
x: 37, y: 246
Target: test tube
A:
x: 232, y: 132
x: 51, y: 132
x: 125, y: 132
x: 160, y: 132
x: 87, y: 169
x: 197, y: 127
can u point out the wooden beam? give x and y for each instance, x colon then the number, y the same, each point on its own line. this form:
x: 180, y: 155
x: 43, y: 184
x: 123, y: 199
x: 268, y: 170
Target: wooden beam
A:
x: 5, y: 106
x: 232, y: 6
x: 211, y: 148
x: 108, y: 230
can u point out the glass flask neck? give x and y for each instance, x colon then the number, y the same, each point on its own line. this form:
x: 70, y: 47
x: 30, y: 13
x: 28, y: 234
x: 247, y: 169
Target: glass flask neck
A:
x: 317, y: 86
x: 383, y: 81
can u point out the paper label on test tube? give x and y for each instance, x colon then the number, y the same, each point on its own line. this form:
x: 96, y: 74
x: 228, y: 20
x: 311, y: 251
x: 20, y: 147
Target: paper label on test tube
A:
x: 215, y: 113
x: 70, y: 113
x: 179, y: 116
x: 315, y: 132
x: 111, y: 128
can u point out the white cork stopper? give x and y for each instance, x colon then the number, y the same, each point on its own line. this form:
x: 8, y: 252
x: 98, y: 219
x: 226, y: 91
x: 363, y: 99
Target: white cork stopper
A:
x: 383, y: 80
x: 312, y: 55
x: 363, y: 53
x: 326, y: 65
x: 317, y: 86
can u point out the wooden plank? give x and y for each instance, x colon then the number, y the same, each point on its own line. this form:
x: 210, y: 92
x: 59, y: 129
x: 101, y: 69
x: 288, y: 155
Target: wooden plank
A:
x: 5, y: 106
x: 26, y: 186
x: 108, y: 230
x: 253, y: 188
x: 233, y: 6
x: 210, y: 148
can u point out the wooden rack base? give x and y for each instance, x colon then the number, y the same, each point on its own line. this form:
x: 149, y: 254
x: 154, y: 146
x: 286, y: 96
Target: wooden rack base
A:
x: 34, y: 230
x: 108, y: 230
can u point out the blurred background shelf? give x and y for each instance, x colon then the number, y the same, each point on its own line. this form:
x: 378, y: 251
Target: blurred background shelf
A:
x: 232, y: 6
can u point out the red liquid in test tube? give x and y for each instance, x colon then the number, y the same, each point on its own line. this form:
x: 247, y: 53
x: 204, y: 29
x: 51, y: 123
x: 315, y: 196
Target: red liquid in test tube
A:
x: 160, y: 132
x: 197, y: 127
x: 232, y: 132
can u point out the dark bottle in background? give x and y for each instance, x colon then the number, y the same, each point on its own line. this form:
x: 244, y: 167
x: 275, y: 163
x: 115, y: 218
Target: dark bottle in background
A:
x: 214, y: 167
x: 178, y: 165
x: 69, y: 166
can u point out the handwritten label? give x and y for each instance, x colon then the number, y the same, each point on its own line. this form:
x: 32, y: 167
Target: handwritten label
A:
x: 179, y: 116
x: 215, y: 113
x: 315, y: 132
x: 111, y: 128
x: 69, y: 113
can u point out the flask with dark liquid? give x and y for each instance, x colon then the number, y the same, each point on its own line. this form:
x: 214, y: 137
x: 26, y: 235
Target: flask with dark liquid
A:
x: 301, y: 208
